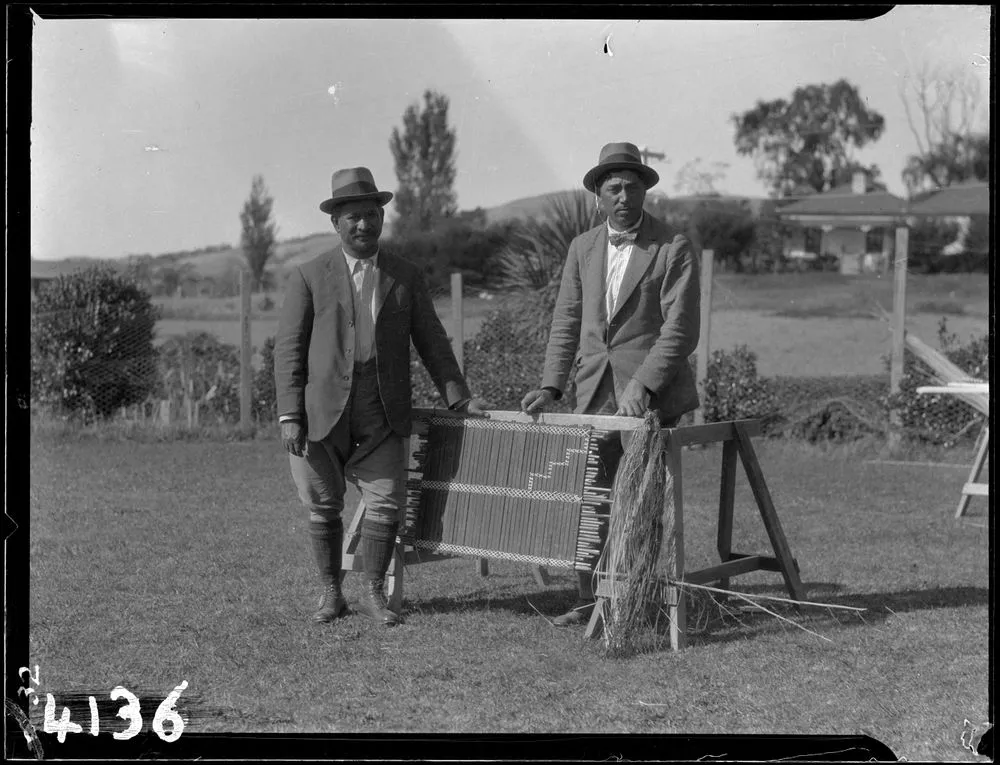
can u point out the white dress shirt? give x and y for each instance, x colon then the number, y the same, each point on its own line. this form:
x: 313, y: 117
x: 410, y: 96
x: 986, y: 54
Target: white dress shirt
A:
x: 616, y: 263
x: 363, y: 275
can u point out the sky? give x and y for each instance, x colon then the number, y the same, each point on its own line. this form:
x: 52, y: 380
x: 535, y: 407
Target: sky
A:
x: 146, y: 134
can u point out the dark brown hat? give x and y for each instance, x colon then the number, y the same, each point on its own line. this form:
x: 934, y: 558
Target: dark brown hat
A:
x: 620, y: 156
x: 352, y: 185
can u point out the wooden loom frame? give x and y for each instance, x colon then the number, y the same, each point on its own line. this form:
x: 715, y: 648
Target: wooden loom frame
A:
x: 737, y: 446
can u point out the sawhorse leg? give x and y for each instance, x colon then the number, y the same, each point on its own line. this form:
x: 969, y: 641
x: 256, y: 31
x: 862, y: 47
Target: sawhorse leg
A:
x: 675, y: 542
x: 783, y: 554
x: 727, y: 496
x: 982, y: 449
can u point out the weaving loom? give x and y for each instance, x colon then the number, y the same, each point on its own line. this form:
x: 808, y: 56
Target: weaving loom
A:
x: 521, y: 488
x: 505, y: 490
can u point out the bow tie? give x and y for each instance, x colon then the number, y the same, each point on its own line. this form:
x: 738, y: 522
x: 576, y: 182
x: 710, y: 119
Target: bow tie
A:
x: 617, y: 239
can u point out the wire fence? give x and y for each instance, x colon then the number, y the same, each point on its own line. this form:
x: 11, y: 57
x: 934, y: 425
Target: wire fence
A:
x: 811, y: 364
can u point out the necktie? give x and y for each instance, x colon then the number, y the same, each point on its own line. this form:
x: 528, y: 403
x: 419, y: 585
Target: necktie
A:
x: 363, y: 332
x: 618, y: 238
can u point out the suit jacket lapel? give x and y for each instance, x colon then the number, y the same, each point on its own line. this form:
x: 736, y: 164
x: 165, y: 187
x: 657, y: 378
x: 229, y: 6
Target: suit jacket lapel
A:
x: 384, y: 279
x: 340, y: 279
x: 596, y: 271
x: 642, y: 255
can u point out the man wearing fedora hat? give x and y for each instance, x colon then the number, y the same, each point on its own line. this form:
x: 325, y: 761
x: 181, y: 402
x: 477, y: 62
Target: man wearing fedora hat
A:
x: 626, y: 319
x: 342, y: 372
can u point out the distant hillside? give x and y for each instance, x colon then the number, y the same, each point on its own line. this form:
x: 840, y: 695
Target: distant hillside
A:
x: 216, y: 261
x: 529, y: 207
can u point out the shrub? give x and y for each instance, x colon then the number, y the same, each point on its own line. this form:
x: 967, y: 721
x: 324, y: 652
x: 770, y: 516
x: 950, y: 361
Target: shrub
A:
x: 505, y: 359
x: 830, y: 408
x: 766, y: 253
x: 941, y: 419
x: 728, y: 229
x: 928, y: 237
x: 464, y: 243
x: 202, y: 369
x: 733, y: 391
x: 92, y: 343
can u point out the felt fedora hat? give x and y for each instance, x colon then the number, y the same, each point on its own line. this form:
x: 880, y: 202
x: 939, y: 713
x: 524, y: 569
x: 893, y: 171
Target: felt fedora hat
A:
x: 620, y: 156
x: 353, y: 184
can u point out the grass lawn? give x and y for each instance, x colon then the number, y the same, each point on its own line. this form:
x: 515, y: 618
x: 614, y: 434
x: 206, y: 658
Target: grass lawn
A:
x: 797, y: 324
x: 818, y: 294
x: 153, y: 563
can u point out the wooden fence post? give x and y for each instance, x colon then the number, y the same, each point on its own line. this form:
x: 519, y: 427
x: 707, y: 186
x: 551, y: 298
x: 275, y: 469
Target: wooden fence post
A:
x: 900, y: 265
x: 457, y: 319
x: 704, y: 345
x: 246, y: 373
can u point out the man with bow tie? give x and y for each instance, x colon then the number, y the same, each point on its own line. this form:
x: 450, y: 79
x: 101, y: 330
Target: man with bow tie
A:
x: 342, y: 373
x: 625, y: 322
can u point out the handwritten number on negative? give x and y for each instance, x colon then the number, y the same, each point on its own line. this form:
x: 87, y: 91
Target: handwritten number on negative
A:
x: 130, y: 711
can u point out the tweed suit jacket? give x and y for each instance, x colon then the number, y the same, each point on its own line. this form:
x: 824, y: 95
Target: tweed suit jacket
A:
x: 313, y: 350
x: 654, y: 328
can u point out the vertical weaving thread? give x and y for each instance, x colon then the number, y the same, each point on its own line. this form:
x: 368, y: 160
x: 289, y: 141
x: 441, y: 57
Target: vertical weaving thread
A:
x: 505, y: 488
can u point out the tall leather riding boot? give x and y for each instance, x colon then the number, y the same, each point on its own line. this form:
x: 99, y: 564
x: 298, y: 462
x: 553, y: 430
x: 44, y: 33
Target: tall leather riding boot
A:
x: 327, y: 542
x: 378, y: 542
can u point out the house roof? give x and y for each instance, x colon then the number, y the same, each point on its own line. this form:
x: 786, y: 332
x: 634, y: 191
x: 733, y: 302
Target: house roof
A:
x: 961, y: 199
x: 841, y: 201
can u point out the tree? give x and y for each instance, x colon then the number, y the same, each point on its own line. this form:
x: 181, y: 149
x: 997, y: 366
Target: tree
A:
x: 810, y: 140
x: 697, y: 180
x: 955, y: 159
x: 259, y: 231
x: 725, y: 227
x: 424, y: 154
x: 943, y: 112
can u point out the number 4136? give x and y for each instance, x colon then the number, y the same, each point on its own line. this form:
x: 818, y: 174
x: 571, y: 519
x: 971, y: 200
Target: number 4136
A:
x: 165, y: 715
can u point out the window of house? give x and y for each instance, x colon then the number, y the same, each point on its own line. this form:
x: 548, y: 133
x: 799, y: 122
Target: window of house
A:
x: 813, y: 238
x: 874, y: 239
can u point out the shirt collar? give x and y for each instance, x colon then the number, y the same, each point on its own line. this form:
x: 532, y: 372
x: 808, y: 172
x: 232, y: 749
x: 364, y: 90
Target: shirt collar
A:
x: 353, y: 261
x: 630, y: 229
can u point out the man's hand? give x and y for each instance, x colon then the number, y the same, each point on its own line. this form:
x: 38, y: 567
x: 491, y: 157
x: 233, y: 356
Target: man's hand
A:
x: 634, y: 401
x: 293, y: 436
x: 476, y: 407
x: 536, y: 400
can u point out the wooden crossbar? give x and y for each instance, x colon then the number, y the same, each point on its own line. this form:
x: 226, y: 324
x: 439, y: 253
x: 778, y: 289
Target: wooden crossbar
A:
x: 737, y: 447
x: 698, y: 434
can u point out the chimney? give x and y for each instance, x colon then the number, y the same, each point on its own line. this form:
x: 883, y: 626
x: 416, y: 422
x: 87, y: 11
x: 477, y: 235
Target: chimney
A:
x: 859, y: 182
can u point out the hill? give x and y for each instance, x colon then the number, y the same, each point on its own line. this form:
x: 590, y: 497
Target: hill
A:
x: 220, y: 261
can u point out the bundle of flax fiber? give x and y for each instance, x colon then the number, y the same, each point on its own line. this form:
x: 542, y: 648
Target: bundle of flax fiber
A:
x: 628, y: 564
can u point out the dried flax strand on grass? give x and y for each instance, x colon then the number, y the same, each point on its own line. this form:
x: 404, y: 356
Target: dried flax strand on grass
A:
x: 628, y: 564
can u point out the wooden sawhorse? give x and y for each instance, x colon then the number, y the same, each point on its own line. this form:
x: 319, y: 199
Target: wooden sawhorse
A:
x: 736, y: 443
x: 974, y: 487
x: 976, y: 393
